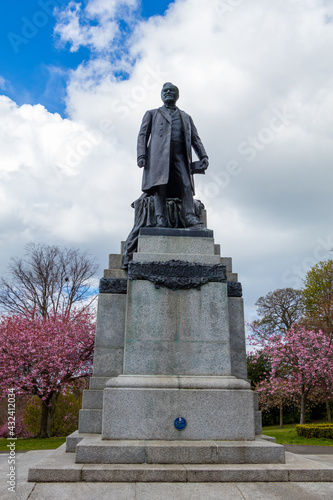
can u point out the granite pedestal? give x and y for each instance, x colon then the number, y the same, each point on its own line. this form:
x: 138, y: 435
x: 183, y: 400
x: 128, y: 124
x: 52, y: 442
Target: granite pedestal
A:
x: 170, y: 346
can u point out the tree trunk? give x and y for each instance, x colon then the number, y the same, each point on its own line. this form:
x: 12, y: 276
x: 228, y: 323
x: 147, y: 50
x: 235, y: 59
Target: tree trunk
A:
x: 43, y: 428
x: 281, y: 416
x: 328, y: 409
x: 48, y: 408
x: 303, y: 408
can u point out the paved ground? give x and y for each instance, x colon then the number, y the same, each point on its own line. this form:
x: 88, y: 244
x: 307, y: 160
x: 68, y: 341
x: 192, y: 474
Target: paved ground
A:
x: 156, y: 491
x: 307, y: 450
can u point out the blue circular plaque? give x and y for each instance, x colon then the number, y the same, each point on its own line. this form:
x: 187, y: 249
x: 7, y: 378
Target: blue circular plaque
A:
x: 180, y: 423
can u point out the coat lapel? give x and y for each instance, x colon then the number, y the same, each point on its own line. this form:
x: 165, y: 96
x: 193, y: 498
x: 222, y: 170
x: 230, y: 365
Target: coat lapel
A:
x: 185, y: 119
x: 187, y: 132
x: 165, y: 113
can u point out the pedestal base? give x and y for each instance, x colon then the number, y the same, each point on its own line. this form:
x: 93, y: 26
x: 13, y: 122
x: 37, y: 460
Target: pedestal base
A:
x: 92, y: 449
x: 60, y: 466
x: 145, y: 407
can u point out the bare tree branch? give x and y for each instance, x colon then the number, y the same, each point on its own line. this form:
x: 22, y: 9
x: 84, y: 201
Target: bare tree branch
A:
x: 279, y: 310
x: 48, y: 278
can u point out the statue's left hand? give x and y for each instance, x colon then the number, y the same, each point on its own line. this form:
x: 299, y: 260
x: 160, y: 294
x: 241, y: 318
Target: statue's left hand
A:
x: 205, y: 163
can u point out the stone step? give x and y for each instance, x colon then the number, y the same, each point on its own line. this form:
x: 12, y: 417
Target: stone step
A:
x: 232, y: 277
x: 92, y: 400
x: 227, y: 262
x: 92, y: 449
x: 115, y: 260
x: 90, y: 421
x: 209, y: 259
x: 60, y: 466
x: 115, y: 273
x: 73, y: 440
x: 98, y: 383
x: 161, y: 244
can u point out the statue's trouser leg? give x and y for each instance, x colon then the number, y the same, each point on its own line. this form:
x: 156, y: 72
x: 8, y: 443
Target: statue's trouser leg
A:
x: 160, y: 204
x: 179, y: 175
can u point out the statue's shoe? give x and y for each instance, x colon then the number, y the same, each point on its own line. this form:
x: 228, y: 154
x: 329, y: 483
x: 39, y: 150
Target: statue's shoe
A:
x: 161, y: 221
x: 194, y: 222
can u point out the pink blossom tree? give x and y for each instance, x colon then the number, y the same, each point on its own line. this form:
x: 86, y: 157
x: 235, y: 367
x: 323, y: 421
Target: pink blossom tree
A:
x: 41, y: 356
x: 275, y: 393
x: 302, y: 362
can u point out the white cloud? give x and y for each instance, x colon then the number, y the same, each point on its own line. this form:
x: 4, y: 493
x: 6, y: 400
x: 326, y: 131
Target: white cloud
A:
x: 59, y: 181
x: 95, y: 26
x: 256, y: 78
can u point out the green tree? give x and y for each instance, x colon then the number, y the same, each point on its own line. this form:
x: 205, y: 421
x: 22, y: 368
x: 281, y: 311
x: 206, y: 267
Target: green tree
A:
x: 258, y: 368
x: 318, y: 297
x: 318, y: 303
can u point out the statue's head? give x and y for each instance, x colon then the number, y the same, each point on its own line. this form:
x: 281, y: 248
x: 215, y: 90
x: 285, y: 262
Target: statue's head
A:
x: 169, y: 93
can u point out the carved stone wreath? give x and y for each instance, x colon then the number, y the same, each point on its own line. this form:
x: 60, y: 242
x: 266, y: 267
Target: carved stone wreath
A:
x: 177, y: 274
x: 234, y: 289
x: 112, y: 285
x: 174, y: 274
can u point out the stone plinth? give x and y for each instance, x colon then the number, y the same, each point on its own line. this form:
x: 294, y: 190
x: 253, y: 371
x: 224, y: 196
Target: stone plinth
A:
x: 170, y: 346
x: 177, y: 332
x: 181, y: 332
x: 145, y: 407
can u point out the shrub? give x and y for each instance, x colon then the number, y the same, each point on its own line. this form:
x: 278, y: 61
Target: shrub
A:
x: 20, y: 428
x: 66, y: 416
x: 32, y: 415
x: 64, y: 419
x: 315, y: 431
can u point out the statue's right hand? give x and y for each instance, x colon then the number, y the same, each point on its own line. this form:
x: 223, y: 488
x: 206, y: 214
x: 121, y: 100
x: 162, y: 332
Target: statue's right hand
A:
x: 142, y: 163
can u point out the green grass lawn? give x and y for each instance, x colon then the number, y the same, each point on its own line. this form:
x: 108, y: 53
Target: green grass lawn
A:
x: 33, y: 443
x: 288, y: 435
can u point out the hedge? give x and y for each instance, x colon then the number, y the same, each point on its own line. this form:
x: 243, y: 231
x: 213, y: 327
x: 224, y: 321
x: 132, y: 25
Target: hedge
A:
x: 315, y: 431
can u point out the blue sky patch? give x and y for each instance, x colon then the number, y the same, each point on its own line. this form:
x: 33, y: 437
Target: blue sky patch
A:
x: 33, y: 69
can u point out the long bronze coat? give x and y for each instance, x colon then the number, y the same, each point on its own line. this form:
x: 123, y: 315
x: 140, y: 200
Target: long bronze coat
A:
x: 154, y: 142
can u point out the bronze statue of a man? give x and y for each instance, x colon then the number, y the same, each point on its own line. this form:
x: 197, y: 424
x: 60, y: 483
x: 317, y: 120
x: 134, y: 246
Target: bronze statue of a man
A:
x: 165, y: 142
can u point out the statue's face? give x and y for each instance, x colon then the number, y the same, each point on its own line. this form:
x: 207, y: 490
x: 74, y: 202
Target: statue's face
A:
x: 169, y: 94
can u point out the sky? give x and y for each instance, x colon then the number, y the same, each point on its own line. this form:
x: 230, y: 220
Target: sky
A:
x: 257, y: 79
